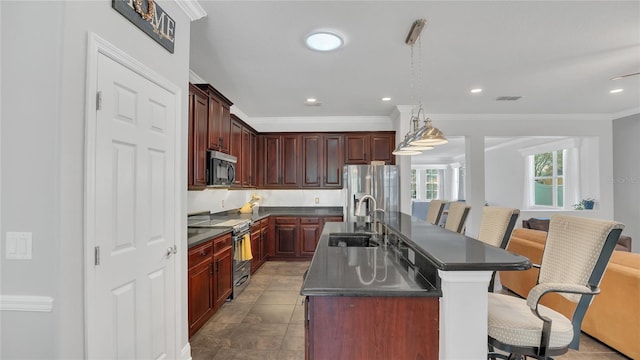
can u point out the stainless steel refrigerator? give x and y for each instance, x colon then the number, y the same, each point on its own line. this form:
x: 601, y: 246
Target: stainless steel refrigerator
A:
x: 379, y: 181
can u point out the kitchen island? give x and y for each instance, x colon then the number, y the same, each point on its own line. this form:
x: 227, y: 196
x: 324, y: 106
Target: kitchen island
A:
x: 421, y: 294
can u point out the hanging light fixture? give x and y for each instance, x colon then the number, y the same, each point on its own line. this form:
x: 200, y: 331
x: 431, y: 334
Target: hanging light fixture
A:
x: 427, y: 136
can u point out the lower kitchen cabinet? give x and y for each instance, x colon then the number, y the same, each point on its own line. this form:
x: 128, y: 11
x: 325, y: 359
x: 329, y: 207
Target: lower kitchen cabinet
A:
x: 223, y: 274
x: 297, y: 237
x: 210, y: 278
x: 259, y: 241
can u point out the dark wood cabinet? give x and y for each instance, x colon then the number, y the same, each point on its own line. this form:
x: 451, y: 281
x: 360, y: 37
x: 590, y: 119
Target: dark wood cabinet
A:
x: 198, y: 127
x: 286, y: 234
x: 297, y: 237
x: 201, y: 301
x: 247, y: 173
x: 253, y: 153
x: 362, y: 148
x: 223, y: 269
x: 265, y: 240
x: 311, y: 160
x: 310, y: 229
x: 219, y: 119
x: 332, y: 321
x: 236, y: 148
x: 256, y: 242
x: 332, y: 161
x: 210, y: 279
x: 280, y: 165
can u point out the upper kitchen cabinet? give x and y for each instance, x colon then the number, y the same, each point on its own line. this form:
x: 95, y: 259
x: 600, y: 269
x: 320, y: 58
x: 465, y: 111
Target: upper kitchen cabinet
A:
x: 362, y: 148
x: 198, y: 141
x: 236, y: 148
x: 219, y: 119
x: 243, y: 147
x: 322, y: 156
x: 280, y: 166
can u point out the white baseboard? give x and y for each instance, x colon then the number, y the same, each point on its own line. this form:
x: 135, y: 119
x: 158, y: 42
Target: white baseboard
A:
x: 26, y: 303
x: 186, y: 352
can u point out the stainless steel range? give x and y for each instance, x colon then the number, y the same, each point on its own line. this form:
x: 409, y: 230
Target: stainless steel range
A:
x: 240, y: 228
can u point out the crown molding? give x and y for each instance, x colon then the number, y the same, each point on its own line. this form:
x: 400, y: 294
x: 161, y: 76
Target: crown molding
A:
x: 623, y: 114
x: 192, y: 8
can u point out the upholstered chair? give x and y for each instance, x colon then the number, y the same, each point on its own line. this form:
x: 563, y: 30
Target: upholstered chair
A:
x: 575, y: 256
x: 457, y: 217
x: 495, y: 228
x: 434, y: 213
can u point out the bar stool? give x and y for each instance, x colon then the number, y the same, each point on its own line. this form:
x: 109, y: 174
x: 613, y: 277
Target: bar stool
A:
x: 457, y: 217
x: 434, y: 213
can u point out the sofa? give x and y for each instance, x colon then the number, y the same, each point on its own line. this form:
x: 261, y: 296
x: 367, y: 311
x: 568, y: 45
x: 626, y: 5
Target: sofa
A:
x: 614, y: 315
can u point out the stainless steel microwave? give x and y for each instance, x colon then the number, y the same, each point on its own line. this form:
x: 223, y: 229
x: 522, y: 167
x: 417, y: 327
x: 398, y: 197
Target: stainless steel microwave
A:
x: 221, y: 169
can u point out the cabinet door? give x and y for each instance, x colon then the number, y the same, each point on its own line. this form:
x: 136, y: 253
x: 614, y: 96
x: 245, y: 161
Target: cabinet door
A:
x: 272, y: 165
x: 381, y: 147
x: 285, y: 236
x: 309, y: 235
x: 290, y: 164
x: 357, y: 147
x: 265, y: 236
x: 215, y: 119
x: 224, y: 276
x: 253, y: 151
x: 332, y: 161
x: 255, y: 249
x: 246, y: 157
x: 200, y: 295
x: 225, y: 129
x: 236, y: 149
x: 311, y: 160
x: 199, y: 139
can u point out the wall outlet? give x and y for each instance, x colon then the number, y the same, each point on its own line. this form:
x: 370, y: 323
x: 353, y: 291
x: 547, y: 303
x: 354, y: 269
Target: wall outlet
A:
x: 317, y: 200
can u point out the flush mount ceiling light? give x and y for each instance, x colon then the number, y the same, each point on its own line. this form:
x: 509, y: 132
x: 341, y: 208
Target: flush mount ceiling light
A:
x: 475, y: 91
x: 424, y: 138
x: 324, y: 41
x: 615, y: 91
x: 386, y: 99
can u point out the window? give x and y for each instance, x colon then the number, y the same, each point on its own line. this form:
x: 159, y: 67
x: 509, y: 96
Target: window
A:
x: 432, y: 179
x: 548, y: 179
x: 413, y: 184
x: 427, y: 183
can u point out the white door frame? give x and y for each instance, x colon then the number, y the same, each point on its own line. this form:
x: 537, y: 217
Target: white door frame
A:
x: 95, y: 46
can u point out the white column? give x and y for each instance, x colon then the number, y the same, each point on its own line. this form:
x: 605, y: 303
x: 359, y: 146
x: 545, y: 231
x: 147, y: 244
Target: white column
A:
x: 463, y: 314
x: 474, y: 181
x: 401, y: 116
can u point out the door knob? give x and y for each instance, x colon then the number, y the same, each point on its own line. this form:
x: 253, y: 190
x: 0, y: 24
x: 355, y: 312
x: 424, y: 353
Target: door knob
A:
x: 171, y: 250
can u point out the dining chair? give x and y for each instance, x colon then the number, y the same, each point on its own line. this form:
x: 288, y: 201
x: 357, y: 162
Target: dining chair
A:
x: 574, y: 258
x: 434, y: 213
x: 495, y: 229
x: 457, y: 217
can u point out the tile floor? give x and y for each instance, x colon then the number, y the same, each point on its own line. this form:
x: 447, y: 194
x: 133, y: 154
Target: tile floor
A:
x: 266, y: 322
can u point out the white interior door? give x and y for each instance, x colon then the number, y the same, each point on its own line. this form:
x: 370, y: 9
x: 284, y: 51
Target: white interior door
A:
x: 131, y: 293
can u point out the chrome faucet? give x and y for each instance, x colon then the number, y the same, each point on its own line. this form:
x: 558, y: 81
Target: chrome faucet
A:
x: 372, y: 213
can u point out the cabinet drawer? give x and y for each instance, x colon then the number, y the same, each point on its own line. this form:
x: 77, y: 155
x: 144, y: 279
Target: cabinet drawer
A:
x: 221, y: 243
x: 200, y: 253
x: 309, y: 220
x: 255, y: 227
x: 264, y: 223
x: 286, y: 220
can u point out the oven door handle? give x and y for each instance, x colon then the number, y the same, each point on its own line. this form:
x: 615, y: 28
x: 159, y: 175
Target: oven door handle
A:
x: 242, y: 280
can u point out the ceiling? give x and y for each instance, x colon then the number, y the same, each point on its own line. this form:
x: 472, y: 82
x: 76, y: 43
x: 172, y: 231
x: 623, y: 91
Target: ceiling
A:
x: 559, y: 56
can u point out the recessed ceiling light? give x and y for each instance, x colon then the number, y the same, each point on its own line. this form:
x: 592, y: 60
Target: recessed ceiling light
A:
x: 324, y: 41
x: 386, y: 99
x: 615, y: 91
x: 311, y: 100
x: 475, y: 91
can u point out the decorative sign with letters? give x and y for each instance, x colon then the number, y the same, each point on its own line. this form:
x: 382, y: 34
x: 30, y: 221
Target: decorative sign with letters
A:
x: 150, y: 18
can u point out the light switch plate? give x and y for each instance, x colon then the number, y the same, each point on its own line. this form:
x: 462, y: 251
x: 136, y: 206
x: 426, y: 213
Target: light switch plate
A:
x: 18, y: 245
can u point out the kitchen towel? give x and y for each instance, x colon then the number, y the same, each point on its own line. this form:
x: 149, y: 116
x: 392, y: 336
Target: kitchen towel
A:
x: 246, y: 248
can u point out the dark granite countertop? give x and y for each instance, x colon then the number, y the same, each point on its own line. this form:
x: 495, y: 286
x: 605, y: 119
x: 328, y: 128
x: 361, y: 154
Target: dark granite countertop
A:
x: 361, y: 271
x: 197, y: 237
x: 451, y: 251
x: 406, y: 267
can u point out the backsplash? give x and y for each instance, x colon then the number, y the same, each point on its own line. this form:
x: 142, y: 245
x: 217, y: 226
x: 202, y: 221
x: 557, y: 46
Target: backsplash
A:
x: 215, y: 200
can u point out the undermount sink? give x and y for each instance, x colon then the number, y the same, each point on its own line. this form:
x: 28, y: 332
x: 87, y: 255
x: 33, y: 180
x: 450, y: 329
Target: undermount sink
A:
x: 352, y: 240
